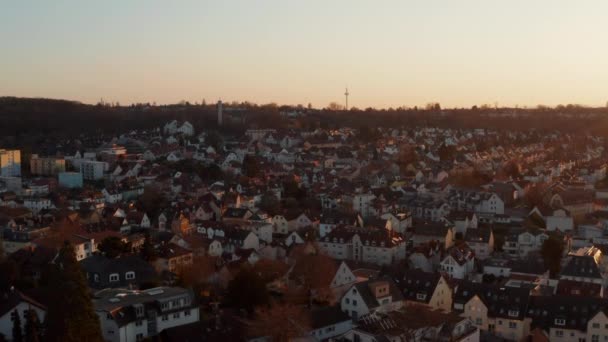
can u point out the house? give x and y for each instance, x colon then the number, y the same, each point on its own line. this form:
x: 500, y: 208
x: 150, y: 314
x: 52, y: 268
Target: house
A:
x: 237, y: 215
x: 426, y: 257
x: 372, y: 245
x: 297, y: 221
x: 498, y: 310
x: 432, y: 231
x: 569, y: 318
x: 126, y: 271
x: 578, y: 202
x: 583, y: 268
x: 329, y: 322
x: 552, y: 219
x: 371, y: 296
x: 459, y: 262
x: 431, y: 290
x: 174, y: 127
x: 240, y: 238
x: 521, y: 242
x: 399, y: 222
x: 280, y: 224
x: 172, y: 258
x: 481, y: 241
x: 127, y: 315
x: 417, y: 325
x: 15, y: 302
x: 362, y: 203
x: 462, y: 220
x: 332, y: 219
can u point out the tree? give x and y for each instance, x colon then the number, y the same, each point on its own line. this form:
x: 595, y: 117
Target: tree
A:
x: 17, y: 330
x: 295, y: 322
x: 270, y: 203
x: 32, y: 327
x: 446, y: 152
x: 152, y: 201
x: 511, y: 169
x: 535, y: 196
x: 215, y: 140
x: 251, y: 167
x: 247, y: 290
x: 315, y: 272
x: 552, y: 251
x: 113, y: 246
x: 79, y: 322
x: 148, y: 252
x: 269, y: 270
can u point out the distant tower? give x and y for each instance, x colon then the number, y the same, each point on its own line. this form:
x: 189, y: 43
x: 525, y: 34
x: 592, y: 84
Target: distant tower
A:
x: 220, y: 109
x: 346, y: 96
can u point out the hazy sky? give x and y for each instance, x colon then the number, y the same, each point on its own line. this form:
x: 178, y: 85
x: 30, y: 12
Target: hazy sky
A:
x: 389, y: 53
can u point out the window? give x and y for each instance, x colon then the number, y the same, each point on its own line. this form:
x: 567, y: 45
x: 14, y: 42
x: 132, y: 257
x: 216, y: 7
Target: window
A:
x: 478, y: 321
x: 347, y: 301
x: 560, y: 321
x: 130, y: 275
x: 354, y: 302
x: 596, y: 325
x: 512, y: 325
x: 559, y: 333
x: 96, y: 277
x: 421, y: 296
x: 187, y: 313
x: 595, y: 338
x: 114, y: 277
x: 165, y: 318
x: 138, y: 323
x: 176, y: 315
x: 139, y: 337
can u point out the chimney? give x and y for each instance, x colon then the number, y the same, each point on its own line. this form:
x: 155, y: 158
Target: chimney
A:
x: 379, y: 289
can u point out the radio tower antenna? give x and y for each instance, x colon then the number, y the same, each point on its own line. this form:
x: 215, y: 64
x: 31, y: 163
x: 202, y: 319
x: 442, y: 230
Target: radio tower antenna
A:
x: 346, y: 96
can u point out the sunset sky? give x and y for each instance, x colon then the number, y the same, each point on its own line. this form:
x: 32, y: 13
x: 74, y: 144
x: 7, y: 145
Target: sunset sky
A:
x: 389, y: 53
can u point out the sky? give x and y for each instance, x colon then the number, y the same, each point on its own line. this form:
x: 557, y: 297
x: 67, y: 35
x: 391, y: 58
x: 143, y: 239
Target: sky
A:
x: 389, y: 53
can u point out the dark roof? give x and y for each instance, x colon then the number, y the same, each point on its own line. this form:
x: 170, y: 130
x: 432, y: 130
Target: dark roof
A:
x: 103, y: 267
x: 327, y: 316
x: 368, y: 297
x: 567, y: 287
x: 478, y: 235
x: 581, y: 266
x: 506, y: 302
x: 575, y: 311
x: 528, y: 266
x: 416, y: 282
x: 10, y: 299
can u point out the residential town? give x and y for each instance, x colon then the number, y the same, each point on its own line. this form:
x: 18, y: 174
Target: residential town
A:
x: 428, y: 234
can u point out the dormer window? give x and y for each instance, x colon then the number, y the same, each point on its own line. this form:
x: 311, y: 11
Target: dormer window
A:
x: 513, y: 313
x: 114, y: 277
x: 139, y: 310
x: 560, y: 321
x: 130, y: 275
x: 421, y: 296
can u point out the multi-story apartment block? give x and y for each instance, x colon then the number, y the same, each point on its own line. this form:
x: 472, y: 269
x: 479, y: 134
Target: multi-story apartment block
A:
x: 48, y: 166
x: 378, y: 246
x: 127, y: 316
x: 10, y: 163
x: 93, y: 170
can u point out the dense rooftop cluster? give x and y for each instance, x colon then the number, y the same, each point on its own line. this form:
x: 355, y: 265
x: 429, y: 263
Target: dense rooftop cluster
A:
x: 349, y: 234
